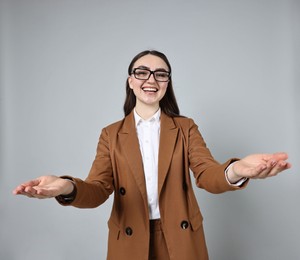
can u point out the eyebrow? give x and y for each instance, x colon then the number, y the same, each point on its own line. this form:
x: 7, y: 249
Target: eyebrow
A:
x: 147, y: 68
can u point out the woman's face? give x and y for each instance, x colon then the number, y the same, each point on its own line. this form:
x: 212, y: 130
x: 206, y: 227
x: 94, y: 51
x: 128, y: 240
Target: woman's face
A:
x: 149, y: 91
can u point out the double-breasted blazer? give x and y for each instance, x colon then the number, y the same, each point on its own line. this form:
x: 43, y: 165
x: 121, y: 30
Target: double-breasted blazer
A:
x: 118, y: 168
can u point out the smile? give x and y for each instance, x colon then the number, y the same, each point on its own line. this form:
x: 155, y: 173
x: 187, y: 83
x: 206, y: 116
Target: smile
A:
x: 149, y: 89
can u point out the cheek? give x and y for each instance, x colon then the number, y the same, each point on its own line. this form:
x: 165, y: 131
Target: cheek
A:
x: 133, y: 84
x: 164, y: 88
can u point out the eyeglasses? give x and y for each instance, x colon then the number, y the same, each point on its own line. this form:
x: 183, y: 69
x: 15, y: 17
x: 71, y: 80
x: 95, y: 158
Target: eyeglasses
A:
x: 144, y: 74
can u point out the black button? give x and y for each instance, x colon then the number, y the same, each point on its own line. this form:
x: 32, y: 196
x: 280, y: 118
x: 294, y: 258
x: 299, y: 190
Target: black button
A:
x: 184, y: 224
x: 122, y: 191
x: 128, y: 231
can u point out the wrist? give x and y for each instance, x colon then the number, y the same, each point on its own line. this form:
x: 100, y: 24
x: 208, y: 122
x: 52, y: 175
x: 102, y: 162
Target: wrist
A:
x: 69, y: 187
x: 69, y: 195
x: 231, y: 176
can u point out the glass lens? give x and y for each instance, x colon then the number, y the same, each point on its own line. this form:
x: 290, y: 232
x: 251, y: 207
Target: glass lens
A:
x: 141, y: 73
x: 161, y: 75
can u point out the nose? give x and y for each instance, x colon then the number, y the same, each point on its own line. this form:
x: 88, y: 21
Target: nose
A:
x: 151, y: 78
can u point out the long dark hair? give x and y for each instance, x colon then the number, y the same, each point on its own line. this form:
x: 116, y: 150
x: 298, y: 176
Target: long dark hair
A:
x: 168, y: 103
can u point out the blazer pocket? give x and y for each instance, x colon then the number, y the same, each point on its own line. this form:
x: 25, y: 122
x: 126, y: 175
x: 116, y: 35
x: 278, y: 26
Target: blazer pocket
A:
x: 196, y: 221
x: 114, y: 229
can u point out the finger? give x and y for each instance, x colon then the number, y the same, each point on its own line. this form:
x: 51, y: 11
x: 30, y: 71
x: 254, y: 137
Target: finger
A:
x: 280, y: 156
x: 36, y: 196
x: 275, y: 156
x: 36, y: 192
x: 25, y: 194
x: 22, y: 186
x: 288, y: 165
x: 279, y: 167
x: 18, y: 190
x: 33, y: 193
x: 272, y: 168
x: 30, y: 190
x: 31, y: 183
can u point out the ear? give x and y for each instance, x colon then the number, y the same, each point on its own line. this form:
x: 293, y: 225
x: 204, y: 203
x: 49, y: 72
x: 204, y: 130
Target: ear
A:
x: 130, y: 81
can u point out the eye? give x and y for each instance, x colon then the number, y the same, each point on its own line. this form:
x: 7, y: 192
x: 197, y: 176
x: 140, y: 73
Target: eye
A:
x: 161, y: 74
x: 141, y: 72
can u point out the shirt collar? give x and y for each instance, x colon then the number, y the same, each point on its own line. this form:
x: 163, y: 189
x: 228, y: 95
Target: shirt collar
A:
x: 138, y: 119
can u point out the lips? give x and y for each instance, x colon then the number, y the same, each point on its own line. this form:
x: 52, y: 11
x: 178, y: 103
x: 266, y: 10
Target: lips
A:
x: 149, y: 89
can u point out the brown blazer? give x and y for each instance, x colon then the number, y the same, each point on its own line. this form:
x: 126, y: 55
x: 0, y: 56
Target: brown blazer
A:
x: 118, y: 168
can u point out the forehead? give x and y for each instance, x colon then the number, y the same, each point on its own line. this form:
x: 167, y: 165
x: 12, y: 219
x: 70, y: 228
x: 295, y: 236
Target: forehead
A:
x: 152, y: 62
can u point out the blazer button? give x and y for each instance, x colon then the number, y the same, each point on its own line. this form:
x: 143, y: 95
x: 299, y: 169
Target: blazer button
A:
x: 122, y: 191
x: 128, y: 231
x: 184, y: 224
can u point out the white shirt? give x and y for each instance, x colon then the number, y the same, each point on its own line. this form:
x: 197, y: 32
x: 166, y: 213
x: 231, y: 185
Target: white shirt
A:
x: 148, y: 132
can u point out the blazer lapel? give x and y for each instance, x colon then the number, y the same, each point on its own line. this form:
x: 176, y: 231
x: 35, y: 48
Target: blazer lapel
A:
x: 168, y: 135
x: 130, y: 145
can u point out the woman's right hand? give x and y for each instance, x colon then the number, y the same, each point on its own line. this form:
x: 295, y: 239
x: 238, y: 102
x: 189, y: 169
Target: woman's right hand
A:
x: 45, y: 187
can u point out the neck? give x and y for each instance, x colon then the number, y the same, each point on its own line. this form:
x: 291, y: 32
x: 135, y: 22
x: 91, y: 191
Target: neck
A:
x: 146, y: 112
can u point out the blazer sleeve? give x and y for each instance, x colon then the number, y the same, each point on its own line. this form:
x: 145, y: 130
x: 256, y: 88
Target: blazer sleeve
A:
x: 209, y: 174
x: 97, y: 187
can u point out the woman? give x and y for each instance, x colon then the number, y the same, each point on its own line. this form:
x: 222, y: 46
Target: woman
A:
x: 145, y: 159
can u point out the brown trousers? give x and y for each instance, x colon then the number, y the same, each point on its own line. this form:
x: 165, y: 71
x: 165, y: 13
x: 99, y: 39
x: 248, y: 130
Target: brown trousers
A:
x: 158, y: 247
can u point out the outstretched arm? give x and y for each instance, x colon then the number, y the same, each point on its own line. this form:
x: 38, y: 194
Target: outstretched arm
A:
x: 258, y: 166
x: 45, y: 187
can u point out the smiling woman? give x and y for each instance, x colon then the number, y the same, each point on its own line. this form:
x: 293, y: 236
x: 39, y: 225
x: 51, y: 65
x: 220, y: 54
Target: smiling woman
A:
x: 145, y: 159
x: 168, y: 103
x: 148, y: 91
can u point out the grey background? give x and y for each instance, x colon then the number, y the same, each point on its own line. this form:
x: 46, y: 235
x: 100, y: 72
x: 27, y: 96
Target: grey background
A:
x: 63, y: 71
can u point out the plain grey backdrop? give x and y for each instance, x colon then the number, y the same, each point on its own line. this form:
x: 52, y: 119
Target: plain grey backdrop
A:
x: 62, y: 75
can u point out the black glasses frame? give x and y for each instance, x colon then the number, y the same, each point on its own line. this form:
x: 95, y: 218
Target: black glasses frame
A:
x: 152, y: 72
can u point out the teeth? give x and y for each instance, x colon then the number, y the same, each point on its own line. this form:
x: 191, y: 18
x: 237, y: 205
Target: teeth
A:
x: 150, y: 89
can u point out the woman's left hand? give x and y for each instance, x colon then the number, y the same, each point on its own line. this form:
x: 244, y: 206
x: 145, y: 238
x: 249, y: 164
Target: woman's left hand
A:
x: 258, y: 166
